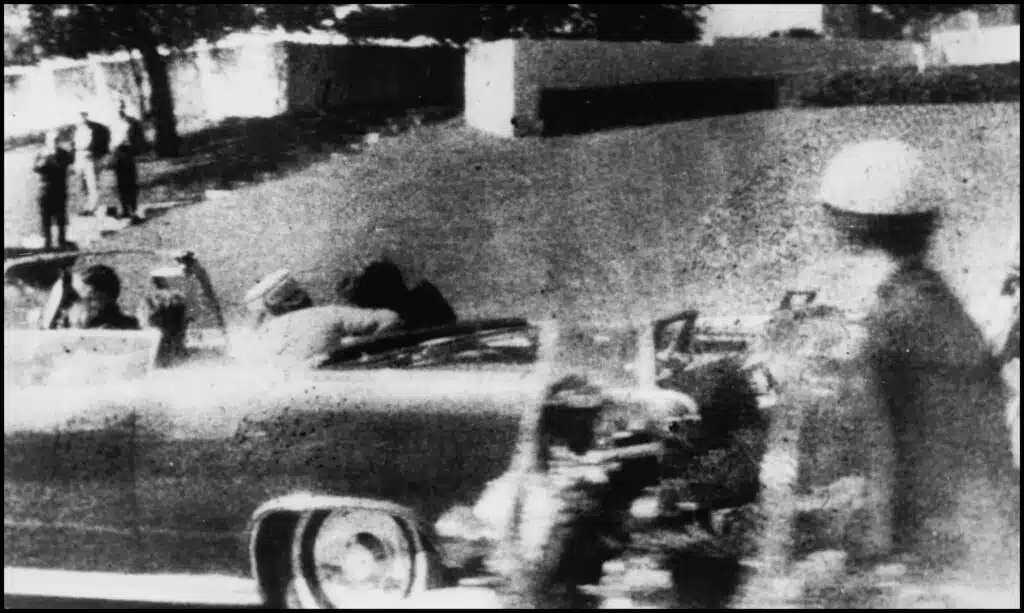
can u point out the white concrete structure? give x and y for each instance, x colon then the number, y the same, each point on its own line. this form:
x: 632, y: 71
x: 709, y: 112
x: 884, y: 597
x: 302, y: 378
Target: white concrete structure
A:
x: 240, y: 80
x: 994, y: 45
x: 760, y: 19
x: 491, y: 87
x: 505, y: 79
x: 243, y: 76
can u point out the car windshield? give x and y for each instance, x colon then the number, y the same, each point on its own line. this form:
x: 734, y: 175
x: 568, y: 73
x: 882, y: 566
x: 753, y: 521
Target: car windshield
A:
x: 613, y: 354
x: 487, y: 343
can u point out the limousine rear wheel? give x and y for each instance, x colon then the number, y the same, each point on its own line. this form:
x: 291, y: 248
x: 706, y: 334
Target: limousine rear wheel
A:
x: 350, y: 558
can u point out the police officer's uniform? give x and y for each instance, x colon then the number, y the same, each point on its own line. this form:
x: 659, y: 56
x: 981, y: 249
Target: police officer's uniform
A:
x: 926, y: 361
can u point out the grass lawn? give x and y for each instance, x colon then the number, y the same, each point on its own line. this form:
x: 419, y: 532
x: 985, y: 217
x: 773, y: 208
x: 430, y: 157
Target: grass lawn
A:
x: 713, y: 213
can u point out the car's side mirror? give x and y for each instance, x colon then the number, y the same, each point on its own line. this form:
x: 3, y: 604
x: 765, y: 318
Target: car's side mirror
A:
x: 168, y: 277
x: 184, y: 257
x: 674, y: 334
x: 789, y: 302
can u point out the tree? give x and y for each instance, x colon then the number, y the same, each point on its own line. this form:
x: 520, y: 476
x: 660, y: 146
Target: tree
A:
x: 905, y: 13
x: 458, y: 24
x: 75, y: 30
x: 917, y: 18
x: 18, y: 49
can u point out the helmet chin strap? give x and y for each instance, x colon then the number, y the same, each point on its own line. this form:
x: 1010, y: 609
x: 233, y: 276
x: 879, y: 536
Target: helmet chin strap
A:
x: 905, y: 259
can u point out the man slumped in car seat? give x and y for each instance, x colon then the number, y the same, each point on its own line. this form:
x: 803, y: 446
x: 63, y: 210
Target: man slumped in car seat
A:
x: 381, y: 285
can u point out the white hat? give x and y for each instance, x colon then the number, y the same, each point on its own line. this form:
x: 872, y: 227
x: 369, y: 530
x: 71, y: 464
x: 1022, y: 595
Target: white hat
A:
x: 273, y: 291
x: 878, y: 177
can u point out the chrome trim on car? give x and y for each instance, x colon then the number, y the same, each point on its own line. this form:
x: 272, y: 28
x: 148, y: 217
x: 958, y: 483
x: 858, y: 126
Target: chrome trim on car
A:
x: 167, y: 589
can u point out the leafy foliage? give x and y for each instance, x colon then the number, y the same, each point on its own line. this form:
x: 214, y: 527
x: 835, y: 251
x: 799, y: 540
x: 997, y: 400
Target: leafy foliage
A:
x: 18, y: 47
x: 75, y: 30
x: 17, y: 50
x: 893, y: 20
x: 992, y: 83
x: 457, y: 24
x: 805, y: 33
x: 903, y: 14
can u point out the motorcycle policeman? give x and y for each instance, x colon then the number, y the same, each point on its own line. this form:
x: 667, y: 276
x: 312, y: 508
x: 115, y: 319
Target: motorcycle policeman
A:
x: 954, y: 494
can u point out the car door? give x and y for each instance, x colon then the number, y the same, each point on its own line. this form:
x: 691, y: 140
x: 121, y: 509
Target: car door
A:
x: 214, y: 449
x: 70, y: 498
x: 69, y: 491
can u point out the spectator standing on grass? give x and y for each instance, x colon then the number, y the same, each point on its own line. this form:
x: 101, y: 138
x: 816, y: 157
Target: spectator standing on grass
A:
x: 92, y: 144
x: 52, y: 165
x: 128, y: 142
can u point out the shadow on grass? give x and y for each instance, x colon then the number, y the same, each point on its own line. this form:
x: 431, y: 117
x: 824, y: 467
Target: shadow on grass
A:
x: 239, y: 151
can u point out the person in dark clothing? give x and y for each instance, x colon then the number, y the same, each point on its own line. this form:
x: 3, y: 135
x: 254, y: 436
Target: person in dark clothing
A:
x: 927, y: 360
x: 426, y: 307
x: 127, y: 144
x: 97, y: 290
x: 52, y: 165
x: 381, y: 286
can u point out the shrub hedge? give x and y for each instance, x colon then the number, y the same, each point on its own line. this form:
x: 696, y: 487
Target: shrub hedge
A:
x: 905, y: 85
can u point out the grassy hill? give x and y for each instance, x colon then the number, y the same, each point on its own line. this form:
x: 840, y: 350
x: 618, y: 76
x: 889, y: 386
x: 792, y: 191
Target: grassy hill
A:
x: 714, y: 213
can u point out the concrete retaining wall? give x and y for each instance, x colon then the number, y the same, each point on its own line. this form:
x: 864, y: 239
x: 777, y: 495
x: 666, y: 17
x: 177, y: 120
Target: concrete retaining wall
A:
x: 534, y: 68
x: 321, y: 77
x: 256, y: 79
x: 995, y: 45
x: 491, y: 87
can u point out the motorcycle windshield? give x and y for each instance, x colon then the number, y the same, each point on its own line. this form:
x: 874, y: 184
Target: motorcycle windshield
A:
x: 613, y: 354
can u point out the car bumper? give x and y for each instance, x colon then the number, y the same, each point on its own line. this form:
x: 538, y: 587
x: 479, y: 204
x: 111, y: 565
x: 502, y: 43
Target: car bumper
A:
x: 39, y: 588
x: 29, y: 587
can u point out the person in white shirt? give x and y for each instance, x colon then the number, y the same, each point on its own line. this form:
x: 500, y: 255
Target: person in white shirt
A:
x: 92, y: 144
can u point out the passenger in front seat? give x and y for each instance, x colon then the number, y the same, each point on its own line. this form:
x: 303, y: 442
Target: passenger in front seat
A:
x: 97, y: 290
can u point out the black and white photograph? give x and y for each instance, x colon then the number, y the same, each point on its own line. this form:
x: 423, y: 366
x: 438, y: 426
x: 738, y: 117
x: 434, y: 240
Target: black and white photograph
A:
x: 512, y: 306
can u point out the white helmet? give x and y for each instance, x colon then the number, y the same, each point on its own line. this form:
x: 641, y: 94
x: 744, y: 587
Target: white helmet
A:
x: 878, y: 177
